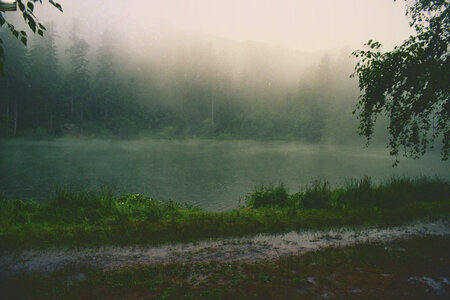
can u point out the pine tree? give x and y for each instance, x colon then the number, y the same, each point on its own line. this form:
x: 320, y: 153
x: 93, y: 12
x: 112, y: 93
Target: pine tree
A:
x: 77, y: 81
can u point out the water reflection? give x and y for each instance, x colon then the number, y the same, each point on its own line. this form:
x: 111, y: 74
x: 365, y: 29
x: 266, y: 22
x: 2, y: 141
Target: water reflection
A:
x: 211, y: 174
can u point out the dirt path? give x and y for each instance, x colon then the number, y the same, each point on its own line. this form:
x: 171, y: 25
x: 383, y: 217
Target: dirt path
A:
x: 231, y: 249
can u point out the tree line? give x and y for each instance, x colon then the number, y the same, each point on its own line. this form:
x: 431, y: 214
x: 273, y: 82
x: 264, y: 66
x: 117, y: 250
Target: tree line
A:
x: 106, y: 96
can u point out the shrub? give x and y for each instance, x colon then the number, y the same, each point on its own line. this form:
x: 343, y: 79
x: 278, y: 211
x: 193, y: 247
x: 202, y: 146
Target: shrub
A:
x: 143, y: 208
x: 71, y: 205
x: 268, y: 196
x: 318, y: 195
x: 296, y: 200
x: 357, y: 193
x: 393, y: 194
x: 16, y: 211
x: 401, y: 191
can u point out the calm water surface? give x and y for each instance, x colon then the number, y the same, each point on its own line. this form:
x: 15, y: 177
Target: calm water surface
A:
x: 213, y: 175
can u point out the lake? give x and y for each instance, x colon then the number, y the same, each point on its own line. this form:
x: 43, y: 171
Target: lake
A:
x: 214, y: 175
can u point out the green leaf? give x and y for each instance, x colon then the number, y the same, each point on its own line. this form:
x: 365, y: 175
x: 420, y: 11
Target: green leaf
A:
x: 32, y: 24
x: 40, y: 32
x: 30, y: 6
x: 24, y: 40
x: 21, y: 6
x: 57, y: 5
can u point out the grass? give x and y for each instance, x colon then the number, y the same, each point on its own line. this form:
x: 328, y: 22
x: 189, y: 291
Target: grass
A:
x: 83, y: 218
x: 356, y: 194
x: 365, y: 271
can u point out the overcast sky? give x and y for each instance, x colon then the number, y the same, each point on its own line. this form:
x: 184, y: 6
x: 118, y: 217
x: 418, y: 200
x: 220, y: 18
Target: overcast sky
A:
x: 304, y: 25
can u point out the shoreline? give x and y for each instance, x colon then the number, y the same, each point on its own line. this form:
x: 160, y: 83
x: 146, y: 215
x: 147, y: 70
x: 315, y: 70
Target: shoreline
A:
x: 247, y: 249
x: 74, y: 218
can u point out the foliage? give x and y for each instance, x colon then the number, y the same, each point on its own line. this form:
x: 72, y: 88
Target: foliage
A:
x: 115, y: 94
x: 268, y: 196
x: 43, y: 64
x: 77, y: 87
x: 73, y: 206
x: 111, y: 94
x: 355, y: 194
x: 26, y: 7
x: 317, y: 196
x: 17, y: 211
x: 143, y: 208
x: 12, y: 87
x: 409, y: 84
x: 395, y: 193
x: 88, y: 218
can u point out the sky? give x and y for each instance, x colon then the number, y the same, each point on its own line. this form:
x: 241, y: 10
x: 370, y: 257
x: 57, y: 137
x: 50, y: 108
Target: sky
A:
x: 303, y: 25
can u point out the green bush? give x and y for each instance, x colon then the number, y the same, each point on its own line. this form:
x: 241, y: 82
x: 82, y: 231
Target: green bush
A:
x: 318, y: 195
x: 16, y: 211
x: 357, y: 193
x: 268, y: 196
x: 143, y: 208
x: 393, y: 194
x: 71, y: 206
x: 74, y: 206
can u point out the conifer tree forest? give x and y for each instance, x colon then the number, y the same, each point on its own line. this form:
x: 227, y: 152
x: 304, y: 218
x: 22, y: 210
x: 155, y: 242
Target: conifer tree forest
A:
x: 102, y: 91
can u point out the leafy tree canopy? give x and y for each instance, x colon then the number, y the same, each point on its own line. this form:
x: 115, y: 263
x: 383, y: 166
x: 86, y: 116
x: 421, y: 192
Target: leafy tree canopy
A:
x: 410, y: 84
x: 26, y: 7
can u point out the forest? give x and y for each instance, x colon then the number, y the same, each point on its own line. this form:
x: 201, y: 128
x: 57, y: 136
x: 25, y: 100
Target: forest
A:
x: 226, y: 149
x: 202, y: 87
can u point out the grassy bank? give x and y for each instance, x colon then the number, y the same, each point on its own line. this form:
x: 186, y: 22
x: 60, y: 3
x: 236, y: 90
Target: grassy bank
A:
x: 398, y: 270
x: 77, y: 218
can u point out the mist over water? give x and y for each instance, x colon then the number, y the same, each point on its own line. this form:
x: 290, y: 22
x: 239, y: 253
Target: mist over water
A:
x: 163, y: 75
x: 213, y: 175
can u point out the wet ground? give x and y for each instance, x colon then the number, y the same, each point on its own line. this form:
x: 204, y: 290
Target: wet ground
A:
x: 233, y: 249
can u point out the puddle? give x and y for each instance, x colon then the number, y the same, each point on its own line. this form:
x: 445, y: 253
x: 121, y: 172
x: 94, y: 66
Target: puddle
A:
x: 438, y: 285
x: 249, y: 249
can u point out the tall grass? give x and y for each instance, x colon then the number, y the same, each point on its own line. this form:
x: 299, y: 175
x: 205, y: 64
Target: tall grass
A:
x: 395, y: 193
x: 75, y: 218
x: 268, y: 196
x: 71, y: 206
x: 356, y: 194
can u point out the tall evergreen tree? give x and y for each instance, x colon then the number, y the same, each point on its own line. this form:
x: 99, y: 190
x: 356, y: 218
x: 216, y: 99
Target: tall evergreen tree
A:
x: 13, y: 86
x: 77, y: 80
x: 44, y: 81
x: 105, y: 80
